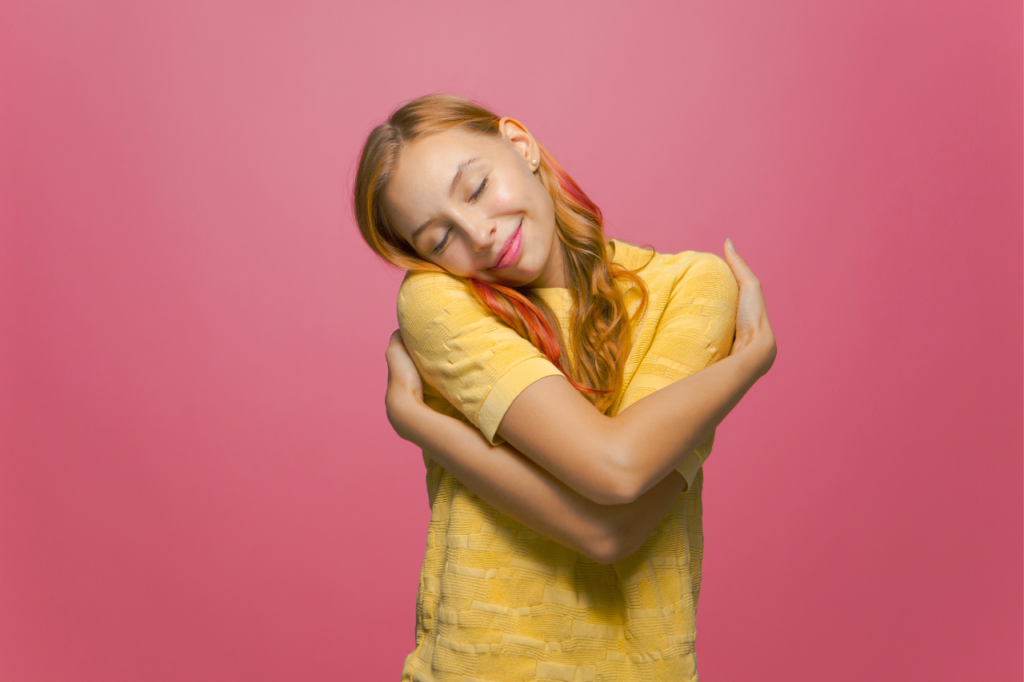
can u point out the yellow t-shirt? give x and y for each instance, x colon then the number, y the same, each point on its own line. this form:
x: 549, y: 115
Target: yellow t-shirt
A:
x: 498, y: 601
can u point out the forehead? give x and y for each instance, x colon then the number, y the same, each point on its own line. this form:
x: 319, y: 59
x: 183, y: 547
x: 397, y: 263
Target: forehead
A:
x: 445, y: 147
x: 423, y: 174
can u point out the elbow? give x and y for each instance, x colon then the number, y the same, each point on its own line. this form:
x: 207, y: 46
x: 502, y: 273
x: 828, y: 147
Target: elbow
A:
x: 610, y: 548
x: 619, y: 492
x: 621, y: 482
x: 612, y: 493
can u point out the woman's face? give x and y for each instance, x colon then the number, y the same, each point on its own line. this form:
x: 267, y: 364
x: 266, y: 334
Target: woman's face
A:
x: 474, y: 205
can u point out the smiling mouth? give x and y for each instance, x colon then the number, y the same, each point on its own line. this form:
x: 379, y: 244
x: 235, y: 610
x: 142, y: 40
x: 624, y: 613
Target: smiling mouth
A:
x: 510, y: 252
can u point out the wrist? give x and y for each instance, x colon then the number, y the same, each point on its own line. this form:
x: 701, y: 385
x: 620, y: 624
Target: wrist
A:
x: 762, y: 350
x: 757, y: 351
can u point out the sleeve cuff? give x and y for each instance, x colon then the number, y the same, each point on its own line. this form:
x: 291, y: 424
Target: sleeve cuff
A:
x: 689, y: 468
x: 505, y: 391
x: 695, y: 460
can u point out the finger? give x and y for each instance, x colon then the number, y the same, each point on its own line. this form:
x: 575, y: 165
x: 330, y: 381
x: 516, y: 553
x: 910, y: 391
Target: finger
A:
x: 744, y: 275
x: 395, y: 342
x: 396, y: 351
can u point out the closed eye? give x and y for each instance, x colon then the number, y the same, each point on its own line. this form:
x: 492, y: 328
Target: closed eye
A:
x: 479, y: 190
x: 441, y: 244
x: 444, y: 240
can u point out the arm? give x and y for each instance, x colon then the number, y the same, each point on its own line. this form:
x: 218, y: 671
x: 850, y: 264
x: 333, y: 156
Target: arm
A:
x: 627, y: 454
x: 609, y: 460
x: 519, y: 488
x: 614, y: 460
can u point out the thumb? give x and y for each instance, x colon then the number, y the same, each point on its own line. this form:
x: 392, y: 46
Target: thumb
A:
x: 744, y: 275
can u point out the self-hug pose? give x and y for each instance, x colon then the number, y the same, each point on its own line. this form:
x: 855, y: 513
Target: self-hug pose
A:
x: 565, y: 389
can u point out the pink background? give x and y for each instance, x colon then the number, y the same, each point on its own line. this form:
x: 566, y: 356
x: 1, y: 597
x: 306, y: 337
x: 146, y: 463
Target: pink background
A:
x: 197, y: 478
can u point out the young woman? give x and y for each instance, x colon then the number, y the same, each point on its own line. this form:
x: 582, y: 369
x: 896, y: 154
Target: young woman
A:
x: 565, y: 390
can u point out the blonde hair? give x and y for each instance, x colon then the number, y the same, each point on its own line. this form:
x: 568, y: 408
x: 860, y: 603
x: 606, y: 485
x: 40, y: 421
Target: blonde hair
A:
x: 600, y: 331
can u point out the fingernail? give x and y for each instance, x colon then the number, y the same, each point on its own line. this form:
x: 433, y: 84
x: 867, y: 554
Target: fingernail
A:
x: 728, y: 243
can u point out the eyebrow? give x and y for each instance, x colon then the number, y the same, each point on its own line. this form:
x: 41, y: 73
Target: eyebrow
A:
x: 455, y: 181
x: 458, y: 173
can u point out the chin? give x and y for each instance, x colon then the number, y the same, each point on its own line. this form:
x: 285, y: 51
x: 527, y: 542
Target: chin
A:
x: 521, y: 280
x: 506, y: 282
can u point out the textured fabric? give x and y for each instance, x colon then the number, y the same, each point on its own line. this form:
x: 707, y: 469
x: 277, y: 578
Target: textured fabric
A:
x: 499, y: 602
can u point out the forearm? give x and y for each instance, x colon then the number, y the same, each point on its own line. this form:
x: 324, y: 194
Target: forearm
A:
x: 655, y: 434
x: 627, y: 454
x: 519, y: 488
x: 608, y: 460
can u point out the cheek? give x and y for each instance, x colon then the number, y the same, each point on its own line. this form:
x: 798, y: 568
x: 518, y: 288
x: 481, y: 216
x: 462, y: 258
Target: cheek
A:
x: 540, y: 248
x: 457, y: 260
x: 505, y: 198
x: 544, y: 215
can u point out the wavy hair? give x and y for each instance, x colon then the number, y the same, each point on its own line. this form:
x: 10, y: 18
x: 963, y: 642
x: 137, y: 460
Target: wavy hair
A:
x: 600, y: 332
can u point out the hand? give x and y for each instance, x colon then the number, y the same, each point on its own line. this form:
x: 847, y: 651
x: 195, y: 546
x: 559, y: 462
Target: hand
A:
x: 402, y: 373
x: 753, y: 332
x: 405, y: 387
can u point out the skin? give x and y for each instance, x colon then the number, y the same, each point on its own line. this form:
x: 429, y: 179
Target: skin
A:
x: 596, y: 484
x: 495, y: 194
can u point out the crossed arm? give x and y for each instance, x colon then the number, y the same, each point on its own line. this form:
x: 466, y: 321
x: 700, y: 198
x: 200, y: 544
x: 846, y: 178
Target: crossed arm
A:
x: 522, y: 490
x: 596, y: 484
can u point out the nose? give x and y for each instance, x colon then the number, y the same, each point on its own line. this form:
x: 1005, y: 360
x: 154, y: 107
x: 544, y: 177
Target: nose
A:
x: 481, y: 235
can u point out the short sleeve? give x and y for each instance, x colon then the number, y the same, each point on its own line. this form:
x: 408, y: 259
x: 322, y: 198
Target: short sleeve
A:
x: 695, y: 329
x: 474, y: 360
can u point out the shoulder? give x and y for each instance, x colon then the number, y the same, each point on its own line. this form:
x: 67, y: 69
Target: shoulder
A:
x: 660, y: 268
x: 425, y: 286
x: 689, y: 263
x: 705, y: 276
x: 702, y: 265
x: 425, y: 297
x: 695, y: 274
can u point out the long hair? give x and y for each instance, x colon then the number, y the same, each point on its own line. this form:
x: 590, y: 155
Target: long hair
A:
x: 600, y: 333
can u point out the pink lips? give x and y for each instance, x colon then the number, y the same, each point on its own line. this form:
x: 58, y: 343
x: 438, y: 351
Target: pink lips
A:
x: 511, y: 251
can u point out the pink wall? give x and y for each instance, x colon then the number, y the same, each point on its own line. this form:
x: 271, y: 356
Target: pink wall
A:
x: 197, y: 479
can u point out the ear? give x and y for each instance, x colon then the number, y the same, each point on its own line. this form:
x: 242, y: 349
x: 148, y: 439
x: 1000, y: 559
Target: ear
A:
x: 520, y: 138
